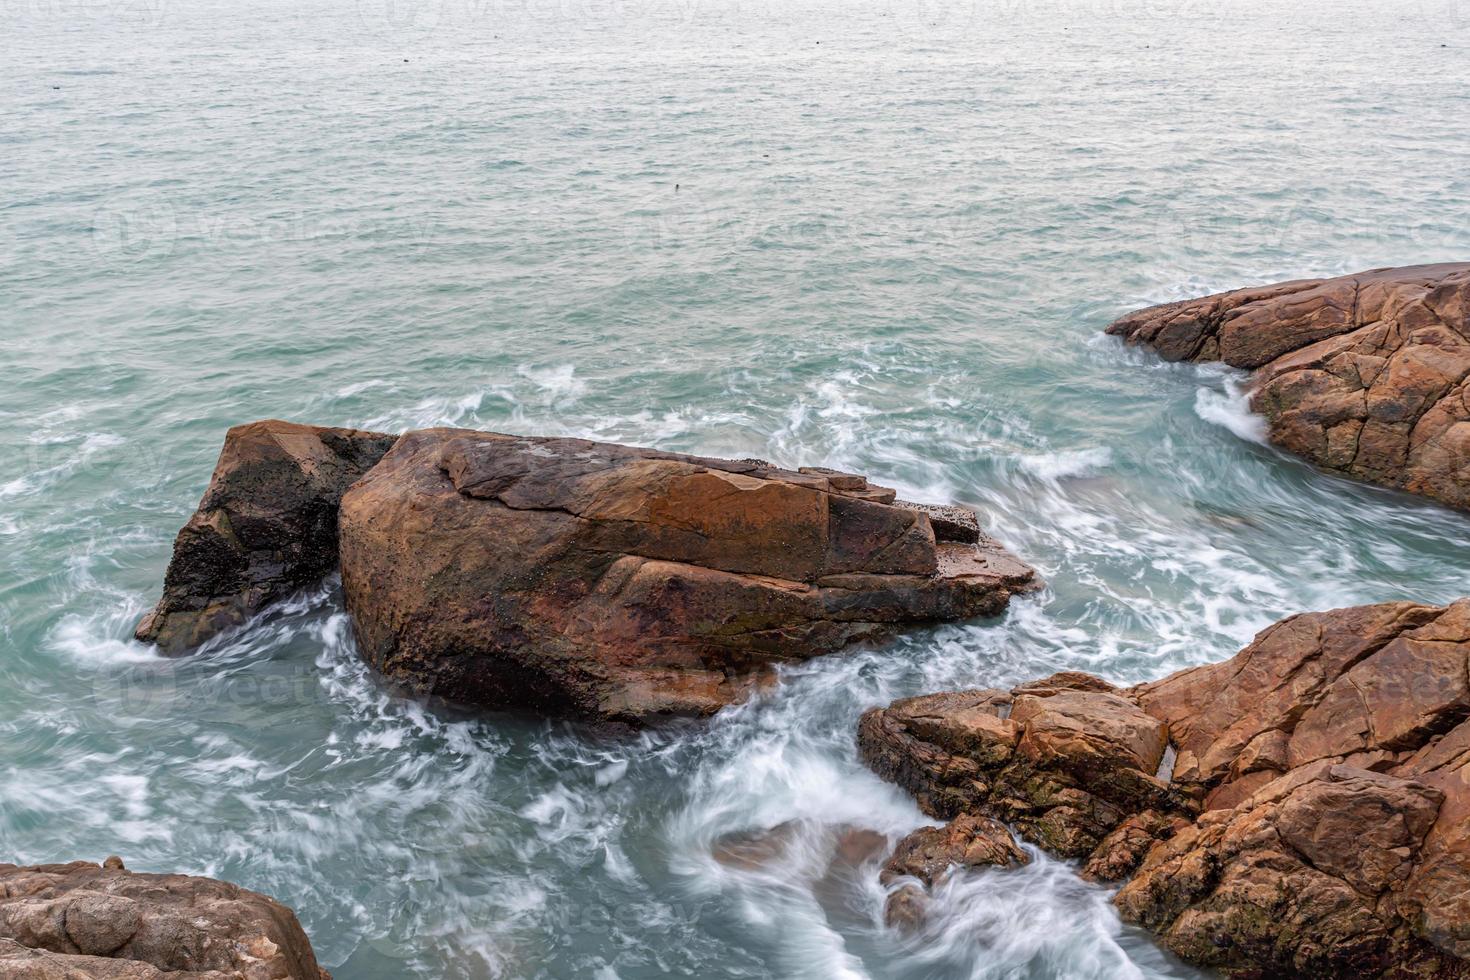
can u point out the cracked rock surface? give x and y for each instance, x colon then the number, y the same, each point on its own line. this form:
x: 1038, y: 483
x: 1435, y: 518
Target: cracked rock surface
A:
x: 1366, y: 375
x: 81, y: 920
x: 619, y: 584
x: 1302, y: 809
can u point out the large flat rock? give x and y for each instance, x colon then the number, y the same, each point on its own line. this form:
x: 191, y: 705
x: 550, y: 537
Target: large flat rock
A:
x: 614, y: 583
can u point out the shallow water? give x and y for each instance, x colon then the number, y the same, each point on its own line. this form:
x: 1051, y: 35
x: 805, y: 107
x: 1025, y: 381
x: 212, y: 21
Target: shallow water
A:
x: 897, y: 233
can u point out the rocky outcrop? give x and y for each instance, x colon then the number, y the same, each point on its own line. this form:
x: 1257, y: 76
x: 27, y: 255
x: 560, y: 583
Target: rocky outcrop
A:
x: 1302, y: 809
x: 567, y: 576
x: 267, y: 526
x: 620, y: 584
x: 81, y: 920
x: 1065, y: 760
x: 1366, y: 375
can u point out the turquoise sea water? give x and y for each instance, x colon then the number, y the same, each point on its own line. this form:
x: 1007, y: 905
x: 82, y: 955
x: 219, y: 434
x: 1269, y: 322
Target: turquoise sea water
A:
x: 897, y: 231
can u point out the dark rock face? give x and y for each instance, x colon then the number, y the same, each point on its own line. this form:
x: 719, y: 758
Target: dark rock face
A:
x: 1314, y: 819
x: 80, y: 920
x: 1365, y: 375
x: 266, y: 527
x: 621, y: 584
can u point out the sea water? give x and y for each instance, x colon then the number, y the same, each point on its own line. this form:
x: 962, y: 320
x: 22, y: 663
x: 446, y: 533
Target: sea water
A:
x: 878, y: 236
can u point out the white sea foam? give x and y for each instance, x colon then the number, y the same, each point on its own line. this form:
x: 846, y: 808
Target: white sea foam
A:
x: 1067, y: 463
x: 87, y: 445
x: 1231, y: 409
x: 560, y: 382
x: 998, y: 923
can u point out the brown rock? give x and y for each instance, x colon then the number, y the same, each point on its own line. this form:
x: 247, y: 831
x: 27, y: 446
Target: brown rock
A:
x: 951, y: 522
x: 768, y: 849
x: 80, y: 920
x: 1215, y: 713
x: 622, y: 584
x: 1063, y: 760
x: 267, y: 526
x: 967, y: 841
x: 1124, y: 847
x: 1366, y: 375
x: 926, y: 857
x: 1315, y: 820
x: 1302, y: 879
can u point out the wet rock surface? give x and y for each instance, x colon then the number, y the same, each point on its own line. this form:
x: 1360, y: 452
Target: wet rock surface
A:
x: 620, y: 584
x: 1302, y: 809
x: 266, y: 527
x: 1366, y: 375
x: 926, y: 858
x: 82, y: 920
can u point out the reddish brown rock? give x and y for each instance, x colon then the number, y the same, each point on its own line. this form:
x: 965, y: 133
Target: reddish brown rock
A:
x: 769, y: 849
x: 1125, y: 846
x: 1065, y: 761
x: 1306, y: 877
x: 926, y: 857
x: 267, y: 526
x: 612, y: 583
x: 80, y: 920
x: 1314, y: 819
x: 1366, y: 375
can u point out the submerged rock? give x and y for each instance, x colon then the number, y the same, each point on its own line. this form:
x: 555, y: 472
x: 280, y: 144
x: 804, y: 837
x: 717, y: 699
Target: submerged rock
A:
x: 621, y: 584
x: 926, y: 858
x: 82, y: 920
x: 1365, y: 375
x: 267, y: 527
x: 1314, y: 819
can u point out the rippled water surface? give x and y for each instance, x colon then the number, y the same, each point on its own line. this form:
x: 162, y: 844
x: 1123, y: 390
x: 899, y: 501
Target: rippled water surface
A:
x: 876, y: 236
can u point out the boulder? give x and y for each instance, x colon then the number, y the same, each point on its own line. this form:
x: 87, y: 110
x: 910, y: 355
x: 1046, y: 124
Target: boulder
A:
x: 82, y: 920
x: 1302, y: 809
x: 929, y: 855
x: 267, y: 527
x: 1306, y: 877
x: 620, y: 584
x: 1365, y: 375
x: 1065, y: 761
